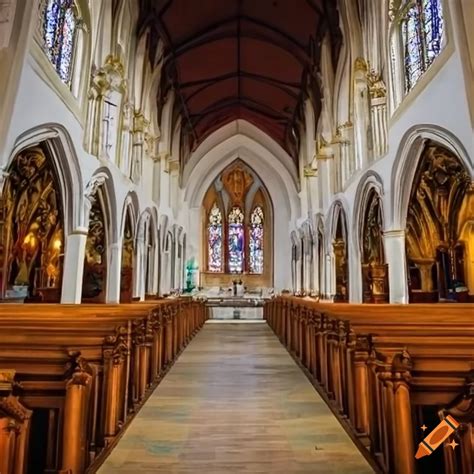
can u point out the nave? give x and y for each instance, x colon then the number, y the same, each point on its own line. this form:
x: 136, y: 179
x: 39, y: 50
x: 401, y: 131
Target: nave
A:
x: 235, y: 401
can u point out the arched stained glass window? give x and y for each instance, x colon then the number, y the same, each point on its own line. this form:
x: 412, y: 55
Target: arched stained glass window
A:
x: 256, y: 241
x: 214, y: 240
x: 59, y: 33
x: 422, y: 34
x: 236, y: 240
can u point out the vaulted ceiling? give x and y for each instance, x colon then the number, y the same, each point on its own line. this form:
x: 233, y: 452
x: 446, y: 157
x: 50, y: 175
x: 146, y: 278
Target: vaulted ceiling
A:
x: 241, y: 59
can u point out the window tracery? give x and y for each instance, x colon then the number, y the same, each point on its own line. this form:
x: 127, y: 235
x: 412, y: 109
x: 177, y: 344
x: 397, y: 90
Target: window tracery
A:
x: 422, y: 35
x: 237, y: 229
x: 59, y: 28
x: 214, y: 239
x: 256, y: 241
x: 236, y: 240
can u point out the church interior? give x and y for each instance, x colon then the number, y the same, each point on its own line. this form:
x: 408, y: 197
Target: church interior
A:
x: 236, y: 236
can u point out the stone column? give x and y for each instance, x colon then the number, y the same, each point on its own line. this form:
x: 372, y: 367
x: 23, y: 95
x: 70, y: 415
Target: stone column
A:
x: 330, y: 276
x: 164, y: 181
x: 156, y: 191
x: 74, y: 266
x: 394, y: 244
x: 325, y: 180
x: 379, y: 125
x: 141, y: 269
x: 298, y: 282
x: 114, y: 266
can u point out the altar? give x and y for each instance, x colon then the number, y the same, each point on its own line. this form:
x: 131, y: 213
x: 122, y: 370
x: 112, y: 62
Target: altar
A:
x: 223, y: 305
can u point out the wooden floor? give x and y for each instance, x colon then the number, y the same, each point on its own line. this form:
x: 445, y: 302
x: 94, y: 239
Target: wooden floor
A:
x: 235, y: 402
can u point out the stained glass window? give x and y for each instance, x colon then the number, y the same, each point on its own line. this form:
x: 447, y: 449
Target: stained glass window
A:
x: 422, y: 33
x: 236, y: 240
x: 256, y: 241
x: 59, y: 32
x: 214, y: 240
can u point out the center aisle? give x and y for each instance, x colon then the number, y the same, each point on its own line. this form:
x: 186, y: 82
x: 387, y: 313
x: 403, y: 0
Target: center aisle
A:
x: 235, y: 402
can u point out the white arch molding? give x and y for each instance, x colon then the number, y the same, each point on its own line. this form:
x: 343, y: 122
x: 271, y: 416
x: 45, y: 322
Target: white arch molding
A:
x: 61, y: 150
x: 368, y: 182
x: 340, y: 207
x: 276, y: 176
x: 66, y: 164
x: 403, y: 173
x: 320, y: 257
x: 407, y: 160
x: 146, y: 255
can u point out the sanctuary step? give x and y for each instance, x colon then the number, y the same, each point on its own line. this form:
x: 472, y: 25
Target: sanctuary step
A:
x: 225, y: 308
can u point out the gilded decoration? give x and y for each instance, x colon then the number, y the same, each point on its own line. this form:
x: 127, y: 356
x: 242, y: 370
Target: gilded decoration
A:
x: 109, y: 77
x: 237, y: 182
x: 126, y: 280
x: 340, y: 256
x: 361, y: 65
x: 377, y: 88
x: 435, y: 251
x: 341, y: 262
x: 374, y: 269
x: 95, y: 257
x: 33, y: 233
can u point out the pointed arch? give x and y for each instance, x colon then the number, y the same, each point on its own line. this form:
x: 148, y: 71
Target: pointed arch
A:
x: 338, y: 243
x: 59, y: 145
x: 100, y: 214
x: 407, y: 159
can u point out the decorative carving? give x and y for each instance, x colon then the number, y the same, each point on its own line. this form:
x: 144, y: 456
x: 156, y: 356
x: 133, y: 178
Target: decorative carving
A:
x: 116, y: 346
x: 93, y: 186
x: 339, y: 247
x: 7, y: 16
x: 110, y: 77
x: 7, y: 377
x: 237, y: 182
x: 128, y: 251
x: 377, y: 88
x: 11, y: 406
x: 95, y: 257
x: 78, y: 370
x: 310, y: 172
x: 440, y: 186
x: 33, y: 228
x: 402, y: 364
x: 142, y: 332
x: 361, y: 65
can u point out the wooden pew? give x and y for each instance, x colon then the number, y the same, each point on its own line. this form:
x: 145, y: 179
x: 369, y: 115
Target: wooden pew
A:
x: 88, y: 369
x: 380, y: 365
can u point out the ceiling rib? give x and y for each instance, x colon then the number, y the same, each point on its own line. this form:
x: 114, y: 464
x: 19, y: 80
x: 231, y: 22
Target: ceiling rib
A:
x: 263, y: 80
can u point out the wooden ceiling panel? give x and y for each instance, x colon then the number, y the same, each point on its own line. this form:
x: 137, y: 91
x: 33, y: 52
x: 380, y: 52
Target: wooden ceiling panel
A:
x: 241, y: 59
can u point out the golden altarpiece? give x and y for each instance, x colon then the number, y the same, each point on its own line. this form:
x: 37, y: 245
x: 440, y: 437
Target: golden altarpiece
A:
x: 440, y: 232
x: 374, y: 268
x: 32, y: 229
